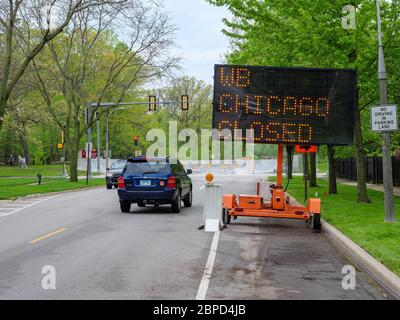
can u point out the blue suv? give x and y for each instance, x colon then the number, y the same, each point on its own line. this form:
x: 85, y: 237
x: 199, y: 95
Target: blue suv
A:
x: 156, y: 182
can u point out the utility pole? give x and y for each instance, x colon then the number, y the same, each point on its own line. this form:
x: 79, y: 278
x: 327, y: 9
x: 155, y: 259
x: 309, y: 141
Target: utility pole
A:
x: 387, y: 158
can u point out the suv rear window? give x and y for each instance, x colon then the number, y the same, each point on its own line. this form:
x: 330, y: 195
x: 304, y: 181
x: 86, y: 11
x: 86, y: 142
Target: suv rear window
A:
x: 144, y: 167
x: 117, y: 165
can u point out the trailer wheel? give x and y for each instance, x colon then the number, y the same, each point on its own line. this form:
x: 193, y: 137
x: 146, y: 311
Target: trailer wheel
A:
x: 316, y: 222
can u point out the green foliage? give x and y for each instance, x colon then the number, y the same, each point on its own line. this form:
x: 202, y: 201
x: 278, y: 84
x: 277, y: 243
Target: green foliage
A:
x: 309, y: 33
x: 40, y: 157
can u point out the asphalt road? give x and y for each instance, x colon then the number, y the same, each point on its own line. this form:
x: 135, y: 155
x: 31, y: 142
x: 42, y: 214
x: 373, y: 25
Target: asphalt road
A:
x: 99, y: 253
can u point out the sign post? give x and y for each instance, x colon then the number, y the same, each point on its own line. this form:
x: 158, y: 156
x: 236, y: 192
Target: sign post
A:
x: 386, y: 154
x: 384, y: 120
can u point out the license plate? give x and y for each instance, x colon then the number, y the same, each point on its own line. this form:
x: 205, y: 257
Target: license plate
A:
x: 145, y: 183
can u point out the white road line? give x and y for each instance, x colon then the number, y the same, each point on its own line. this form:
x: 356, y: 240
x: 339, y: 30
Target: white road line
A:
x: 203, y: 288
x: 9, y: 209
x: 27, y: 206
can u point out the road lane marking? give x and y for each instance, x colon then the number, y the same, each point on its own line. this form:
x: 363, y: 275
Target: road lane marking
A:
x: 48, y: 235
x: 203, y: 288
x: 2, y: 215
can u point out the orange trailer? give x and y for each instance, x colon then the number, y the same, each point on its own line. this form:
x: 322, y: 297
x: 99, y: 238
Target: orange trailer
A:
x: 279, y: 207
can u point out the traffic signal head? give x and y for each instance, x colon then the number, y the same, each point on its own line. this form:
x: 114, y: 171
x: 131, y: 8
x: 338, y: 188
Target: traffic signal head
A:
x: 136, y: 141
x: 152, y: 103
x: 185, y: 102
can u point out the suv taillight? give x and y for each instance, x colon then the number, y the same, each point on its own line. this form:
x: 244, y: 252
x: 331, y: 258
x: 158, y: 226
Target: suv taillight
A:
x: 171, y: 183
x: 121, y: 183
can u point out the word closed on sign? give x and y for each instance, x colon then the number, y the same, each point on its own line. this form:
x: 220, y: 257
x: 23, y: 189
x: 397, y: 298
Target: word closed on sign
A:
x: 285, y: 105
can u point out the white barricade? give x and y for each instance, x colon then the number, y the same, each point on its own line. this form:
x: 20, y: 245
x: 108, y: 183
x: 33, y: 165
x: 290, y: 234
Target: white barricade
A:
x: 212, y: 209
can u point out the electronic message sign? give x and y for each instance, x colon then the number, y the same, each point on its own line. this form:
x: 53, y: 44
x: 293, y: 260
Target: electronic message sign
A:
x: 296, y: 106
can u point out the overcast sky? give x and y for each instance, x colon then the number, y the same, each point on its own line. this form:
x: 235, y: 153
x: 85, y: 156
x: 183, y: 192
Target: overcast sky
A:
x: 199, y: 37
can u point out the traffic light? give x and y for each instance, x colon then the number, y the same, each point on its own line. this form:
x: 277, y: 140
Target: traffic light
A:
x: 152, y: 103
x: 136, y: 140
x: 185, y: 102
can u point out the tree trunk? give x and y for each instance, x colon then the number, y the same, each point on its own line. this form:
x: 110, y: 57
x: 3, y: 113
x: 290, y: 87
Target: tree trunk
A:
x: 290, y: 152
x: 362, y: 194
x: 73, y: 159
x: 313, y: 170
x: 305, y: 175
x: 332, y: 170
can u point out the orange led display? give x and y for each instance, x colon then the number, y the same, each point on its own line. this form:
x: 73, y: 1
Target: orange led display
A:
x: 286, y: 105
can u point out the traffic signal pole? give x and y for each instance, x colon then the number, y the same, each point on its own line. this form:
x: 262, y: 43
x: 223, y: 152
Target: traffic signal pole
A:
x: 184, y: 104
x: 88, y: 153
x: 386, y: 149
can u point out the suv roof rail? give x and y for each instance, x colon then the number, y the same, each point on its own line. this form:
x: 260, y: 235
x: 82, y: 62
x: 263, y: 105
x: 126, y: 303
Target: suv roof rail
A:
x: 144, y: 158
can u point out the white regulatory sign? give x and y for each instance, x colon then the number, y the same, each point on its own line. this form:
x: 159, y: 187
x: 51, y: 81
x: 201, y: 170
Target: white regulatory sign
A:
x: 384, y: 119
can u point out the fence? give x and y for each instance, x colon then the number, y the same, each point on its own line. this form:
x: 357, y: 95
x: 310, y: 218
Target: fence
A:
x: 347, y: 169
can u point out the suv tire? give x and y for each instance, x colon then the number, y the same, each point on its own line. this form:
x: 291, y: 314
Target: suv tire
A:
x: 125, y: 206
x: 109, y: 186
x: 176, y: 205
x: 188, y: 199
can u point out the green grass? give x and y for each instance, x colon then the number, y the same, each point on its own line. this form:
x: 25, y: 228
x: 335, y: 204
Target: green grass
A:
x: 363, y: 223
x: 11, y: 188
x: 53, y: 170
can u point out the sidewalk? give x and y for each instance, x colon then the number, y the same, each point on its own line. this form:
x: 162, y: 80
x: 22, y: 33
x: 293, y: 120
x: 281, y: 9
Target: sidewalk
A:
x: 396, y: 190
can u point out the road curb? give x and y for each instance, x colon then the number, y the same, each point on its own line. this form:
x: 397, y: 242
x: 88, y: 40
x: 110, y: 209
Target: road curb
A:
x: 363, y: 260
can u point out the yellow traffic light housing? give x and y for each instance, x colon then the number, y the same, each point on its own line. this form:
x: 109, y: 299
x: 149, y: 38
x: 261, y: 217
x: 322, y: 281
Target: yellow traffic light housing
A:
x: 152, y: 103
x: 185, y: 102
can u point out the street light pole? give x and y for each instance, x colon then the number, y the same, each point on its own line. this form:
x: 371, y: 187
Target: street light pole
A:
x: 98, y: 144
x: 114, y: 105
x: 107, y: 131
x: 386, y: 149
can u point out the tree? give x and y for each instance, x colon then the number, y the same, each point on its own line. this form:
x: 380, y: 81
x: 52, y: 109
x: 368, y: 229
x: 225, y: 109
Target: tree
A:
x: 104, y: 54
x: 25, y: 28
x: 310, y: 33
x: 200, y: 95
x: 332, y: 170
x: 313, y: 170
x: 290, y: 154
